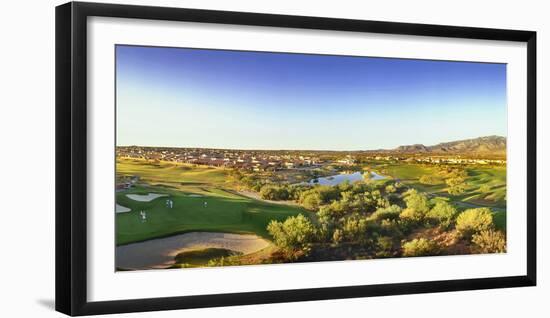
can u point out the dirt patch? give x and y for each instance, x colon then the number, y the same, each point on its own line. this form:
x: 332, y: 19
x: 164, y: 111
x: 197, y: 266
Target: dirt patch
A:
x: 160, y: 253
x: 448, y: 240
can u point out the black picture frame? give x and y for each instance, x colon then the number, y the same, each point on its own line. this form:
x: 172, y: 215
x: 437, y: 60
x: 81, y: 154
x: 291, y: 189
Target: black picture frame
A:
x: 71, y: 157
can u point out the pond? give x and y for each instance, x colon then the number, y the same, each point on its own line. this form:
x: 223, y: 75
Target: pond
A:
x: 351, y: 177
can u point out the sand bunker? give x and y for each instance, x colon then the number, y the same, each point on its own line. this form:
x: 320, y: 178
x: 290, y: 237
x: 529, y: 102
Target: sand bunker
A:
x: 160, y: 253
x: 145, y: 197
x: 121, y: 209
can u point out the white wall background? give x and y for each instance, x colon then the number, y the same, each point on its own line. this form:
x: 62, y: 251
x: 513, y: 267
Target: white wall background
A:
x: 27, y: 158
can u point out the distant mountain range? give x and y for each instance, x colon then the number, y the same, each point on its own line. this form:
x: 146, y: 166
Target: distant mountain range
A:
x: 495, y: 145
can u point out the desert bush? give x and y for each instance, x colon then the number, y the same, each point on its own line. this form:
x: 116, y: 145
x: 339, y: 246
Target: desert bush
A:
x: 310, y: 200
x: 473, y: 221
x: 391, y: 228
x: 457, y: 185
x: 489, y: 241
x: 354, y: 229
x: 294, y: 236
x: 484, y: 188
x: 411, y: 215
x: 384, y: 246
x: 417, y: 206
x: 337, y: 236
x: 429, y: 179
x: 392, y: 213
x: 273, y: 192
x: 313, y: 198
x: 442, y: 213
x: 420, y: 247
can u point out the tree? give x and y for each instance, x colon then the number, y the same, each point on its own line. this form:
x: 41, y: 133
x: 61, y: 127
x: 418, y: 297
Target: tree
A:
x: 390, y: 213
x: 416, y: 200
x: 347, y: 196
x: 294, y: 236
x: 473, y: 221
x: 275, y: 193
x: 337, y: 236
x: 384, y: 246
x: 485, y: 188
x: 490, y: 241
x: 457, y: 185
x: 367, y: 175
x: 325, y: 218
x: 417, y: 206
x: 354, y: 229
x: 390, y: 188
x: 420, y: 247
x: 442, y: 213
x: 310, y: 200
x: 428, y: 179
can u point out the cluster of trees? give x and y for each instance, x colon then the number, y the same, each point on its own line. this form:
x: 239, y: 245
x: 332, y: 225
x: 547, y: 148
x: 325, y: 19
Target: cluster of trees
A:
x: 454, y: 178
x: 429, y: 179
x: 248, y: 181
x: 365, y: 220
x: 282, y: 192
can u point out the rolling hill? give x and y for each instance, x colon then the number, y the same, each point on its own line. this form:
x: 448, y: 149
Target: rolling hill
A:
x: 494, y: 145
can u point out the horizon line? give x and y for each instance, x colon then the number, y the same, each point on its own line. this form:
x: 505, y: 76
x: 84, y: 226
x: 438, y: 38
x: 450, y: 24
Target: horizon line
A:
x: 319, y: 150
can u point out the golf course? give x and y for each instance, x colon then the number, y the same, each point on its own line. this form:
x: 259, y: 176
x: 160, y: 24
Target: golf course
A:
x: 201, y: 202
x: 485, y: 186
x: 178, y: 215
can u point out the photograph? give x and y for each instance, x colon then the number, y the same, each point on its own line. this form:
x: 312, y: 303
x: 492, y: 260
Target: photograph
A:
x: 233, y: 157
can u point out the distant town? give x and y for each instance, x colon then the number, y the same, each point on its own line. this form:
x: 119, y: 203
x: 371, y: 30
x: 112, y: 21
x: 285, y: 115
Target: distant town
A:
x: 274, y: 160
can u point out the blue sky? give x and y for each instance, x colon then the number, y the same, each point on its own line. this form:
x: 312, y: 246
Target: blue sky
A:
x: 259, y: 100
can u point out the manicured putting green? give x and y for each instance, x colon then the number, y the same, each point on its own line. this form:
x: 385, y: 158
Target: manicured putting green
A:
x: 229, y: 213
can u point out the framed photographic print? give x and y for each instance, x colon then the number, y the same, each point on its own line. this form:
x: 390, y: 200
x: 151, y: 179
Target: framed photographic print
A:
x: 209, y: 158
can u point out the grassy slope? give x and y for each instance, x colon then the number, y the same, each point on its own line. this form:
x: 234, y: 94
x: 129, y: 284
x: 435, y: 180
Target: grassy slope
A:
x: 225, y: 211
x: 494, y: 177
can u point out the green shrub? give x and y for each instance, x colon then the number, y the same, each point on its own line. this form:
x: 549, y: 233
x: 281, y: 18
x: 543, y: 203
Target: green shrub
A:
x: 390, y: 213
x: 485, y: 188
x: 391, y: 228
x: 294, y: 236
x: 411, y: 215
x: 457, y: 185
x: 442, y: 213
x: 473, y: 221
x: 354, y: 229
x: 311, y: 201
x: 489, y: 241
x: 275, y: 193
x: 384, y: 246
x: 420, y: 247
x: 337, y: 236
x: 390, y: 188
x: 417, y: 206
x: 429, y: 179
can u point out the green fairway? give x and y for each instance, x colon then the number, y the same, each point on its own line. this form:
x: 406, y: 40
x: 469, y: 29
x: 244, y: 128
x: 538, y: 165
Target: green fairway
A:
x: 405, y: 171
x: 223, y: 211
x: 171, y: 173
x: 493, y: 179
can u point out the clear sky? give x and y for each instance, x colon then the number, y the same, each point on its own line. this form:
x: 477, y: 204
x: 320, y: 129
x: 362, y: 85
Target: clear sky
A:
x: 260, y: 100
